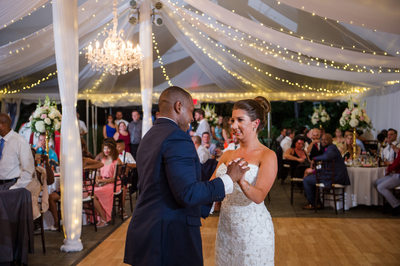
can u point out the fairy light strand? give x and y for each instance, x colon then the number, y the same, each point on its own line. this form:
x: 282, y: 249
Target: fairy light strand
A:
x: 160, y: 61
x: 9, y: 90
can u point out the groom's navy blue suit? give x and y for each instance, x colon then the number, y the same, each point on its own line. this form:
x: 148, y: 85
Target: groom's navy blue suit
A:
x: 165, y: 226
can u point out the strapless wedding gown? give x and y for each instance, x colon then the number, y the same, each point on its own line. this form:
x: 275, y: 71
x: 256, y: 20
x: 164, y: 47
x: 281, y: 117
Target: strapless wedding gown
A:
x: 245, y: 234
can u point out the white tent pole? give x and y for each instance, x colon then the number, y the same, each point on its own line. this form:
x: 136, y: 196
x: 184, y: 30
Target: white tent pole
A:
x: 146, y: 72
x: 65, y: 25
x: 87, y: 122
x: 93, y: 131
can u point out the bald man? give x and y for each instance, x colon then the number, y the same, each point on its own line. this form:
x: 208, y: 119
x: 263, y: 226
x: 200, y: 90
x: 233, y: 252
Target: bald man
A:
x: 16, y: 160
x: 331, y: 155
x: 165, y: 226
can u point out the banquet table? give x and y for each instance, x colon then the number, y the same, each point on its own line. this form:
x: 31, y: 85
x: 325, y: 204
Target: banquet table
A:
x: 16, y: 225
x: 362, y: 190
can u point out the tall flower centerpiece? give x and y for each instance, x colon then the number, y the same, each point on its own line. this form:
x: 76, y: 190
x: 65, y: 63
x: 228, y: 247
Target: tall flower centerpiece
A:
x: 320, y: 117
x: 210, y: 115
x: 354, y: 117
x: 46, y: 119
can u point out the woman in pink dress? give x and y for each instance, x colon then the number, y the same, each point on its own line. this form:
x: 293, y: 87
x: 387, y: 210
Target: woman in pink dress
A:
x: 123, y: 134
x: 104, y: 191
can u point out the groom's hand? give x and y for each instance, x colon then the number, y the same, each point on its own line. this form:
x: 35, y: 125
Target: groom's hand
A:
x: 236, y: 169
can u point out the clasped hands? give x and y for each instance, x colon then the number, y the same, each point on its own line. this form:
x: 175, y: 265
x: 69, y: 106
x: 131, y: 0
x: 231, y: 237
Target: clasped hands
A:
x: 237, y: 168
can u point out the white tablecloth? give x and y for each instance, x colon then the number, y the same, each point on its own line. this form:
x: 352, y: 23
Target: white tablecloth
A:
x: 362, y: 190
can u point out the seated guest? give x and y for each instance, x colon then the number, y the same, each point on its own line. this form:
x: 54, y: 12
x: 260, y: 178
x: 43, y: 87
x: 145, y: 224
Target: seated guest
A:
x: 297, y: 156
x: 385, y: 185
x: 287, y: 141
x: 234, y: 145
x: 206, y: 142
x: 331, y: 153
x: 315, y: 148
x: 359, y: 141
x: 202, y: 152
x: 123, y: 134
x: 392, y: 147
x: 87, y: 163
x: 347, y: 149
x: 40, y: 148
x: 339, y: 140
x: 281, y: 136
x: 104, y: 191
x: 16, y: 161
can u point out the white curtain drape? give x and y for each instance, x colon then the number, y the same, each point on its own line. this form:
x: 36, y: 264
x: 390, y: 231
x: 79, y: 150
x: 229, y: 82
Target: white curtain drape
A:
x: 65, y: 21
x: 383, y: 111
x: 382, y: 15
x: 292, y: 43
x: 230, y: 38
x: 146, y: 72
x: 12, y: 11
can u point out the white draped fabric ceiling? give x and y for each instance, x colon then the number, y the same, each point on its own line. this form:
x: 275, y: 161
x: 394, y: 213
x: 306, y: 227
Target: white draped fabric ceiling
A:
x: 219, y: 50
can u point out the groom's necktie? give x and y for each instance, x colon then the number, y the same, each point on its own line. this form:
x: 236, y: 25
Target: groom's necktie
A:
x: 1, y: 147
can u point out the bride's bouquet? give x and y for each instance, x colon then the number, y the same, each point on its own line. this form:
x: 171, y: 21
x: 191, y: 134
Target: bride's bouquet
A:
x: 46, y: 118
x: 320, y: 117
x: 210, y: 115
x: 354, y: 117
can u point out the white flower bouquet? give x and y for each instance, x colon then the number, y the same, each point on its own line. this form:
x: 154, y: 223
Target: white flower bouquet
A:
x: 320, y: 117
x: 210, y: 115
x: 354, y: 117
x: 46, y: 118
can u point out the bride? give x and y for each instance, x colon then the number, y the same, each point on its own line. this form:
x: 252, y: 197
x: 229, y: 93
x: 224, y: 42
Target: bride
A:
x: 245, y: 231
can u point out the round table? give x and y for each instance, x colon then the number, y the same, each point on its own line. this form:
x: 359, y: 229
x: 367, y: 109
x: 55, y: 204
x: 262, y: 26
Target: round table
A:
x: 362, y: 190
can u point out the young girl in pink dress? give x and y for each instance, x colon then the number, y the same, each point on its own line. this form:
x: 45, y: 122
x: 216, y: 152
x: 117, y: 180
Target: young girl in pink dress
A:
x: 104, y: 191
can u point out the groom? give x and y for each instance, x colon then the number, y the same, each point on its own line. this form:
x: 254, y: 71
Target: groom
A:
x: 165, y: 226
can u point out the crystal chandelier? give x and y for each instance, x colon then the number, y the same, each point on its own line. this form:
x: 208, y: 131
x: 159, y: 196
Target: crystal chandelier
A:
x: 115, y: 57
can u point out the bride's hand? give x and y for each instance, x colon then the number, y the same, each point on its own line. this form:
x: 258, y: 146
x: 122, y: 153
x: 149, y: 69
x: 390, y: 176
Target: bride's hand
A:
x: 237, y: 168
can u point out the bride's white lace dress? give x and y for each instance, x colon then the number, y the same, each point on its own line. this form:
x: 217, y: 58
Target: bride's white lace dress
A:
x: 245, y: 234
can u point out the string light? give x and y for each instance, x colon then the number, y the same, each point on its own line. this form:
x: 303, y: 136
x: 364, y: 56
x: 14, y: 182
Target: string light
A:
x: 326, y: 92
x: 9, y: 90
x: 160, y: 61
x: 26, y: 15
x: 322, y: 41
x: 275, y: 50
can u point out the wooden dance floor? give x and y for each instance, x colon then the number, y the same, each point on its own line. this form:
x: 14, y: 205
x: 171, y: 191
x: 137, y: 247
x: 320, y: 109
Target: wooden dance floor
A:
x: 298, y: 241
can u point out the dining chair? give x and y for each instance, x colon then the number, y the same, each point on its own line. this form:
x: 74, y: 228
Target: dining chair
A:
x: 118, y: 205
x: 325, y: 171
x: 89, y: 181
x: 39, y: 220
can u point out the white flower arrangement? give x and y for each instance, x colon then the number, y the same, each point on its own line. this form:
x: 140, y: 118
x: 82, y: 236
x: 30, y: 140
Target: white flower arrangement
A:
x: 354, y: 116
x: 46, y: 118
x: 320, y: 117
x: 210, y: 115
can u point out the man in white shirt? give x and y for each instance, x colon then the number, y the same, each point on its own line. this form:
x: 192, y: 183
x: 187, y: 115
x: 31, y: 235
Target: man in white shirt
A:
x: 388, y: 154
x: 118, y: 119
x: 125, y: 157
x: 202, y: 152
x: 281, y: 136
x: 82, y: 126
x: 16, y: 160
x: 287, y: 141
x: 203, y: 124
x: 206, y: 142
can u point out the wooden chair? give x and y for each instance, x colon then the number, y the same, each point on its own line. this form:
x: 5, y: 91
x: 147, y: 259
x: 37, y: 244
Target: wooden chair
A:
x: 132, y: 185
x: 89, y: 181
x: 296, y: 183
x: 118, y: 195
x: 327, y: 168
x: 39, y: 220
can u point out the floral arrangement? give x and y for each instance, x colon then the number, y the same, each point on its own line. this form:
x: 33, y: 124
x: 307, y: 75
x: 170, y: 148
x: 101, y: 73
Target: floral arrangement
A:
x: 210, y: 115
x: 354, y: 117
x: 46, y: 118
x: 320, y: 117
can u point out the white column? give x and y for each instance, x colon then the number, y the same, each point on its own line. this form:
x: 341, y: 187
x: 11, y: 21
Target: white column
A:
x: 146, y: 72
x: 65, y: 25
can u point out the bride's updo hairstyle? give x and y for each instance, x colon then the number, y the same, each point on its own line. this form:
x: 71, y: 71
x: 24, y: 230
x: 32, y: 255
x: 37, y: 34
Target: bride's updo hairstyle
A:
x: 256, y: 108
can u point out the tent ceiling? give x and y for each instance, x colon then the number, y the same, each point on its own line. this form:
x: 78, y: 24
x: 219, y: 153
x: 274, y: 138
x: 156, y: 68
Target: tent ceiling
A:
x: 231, y: 68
